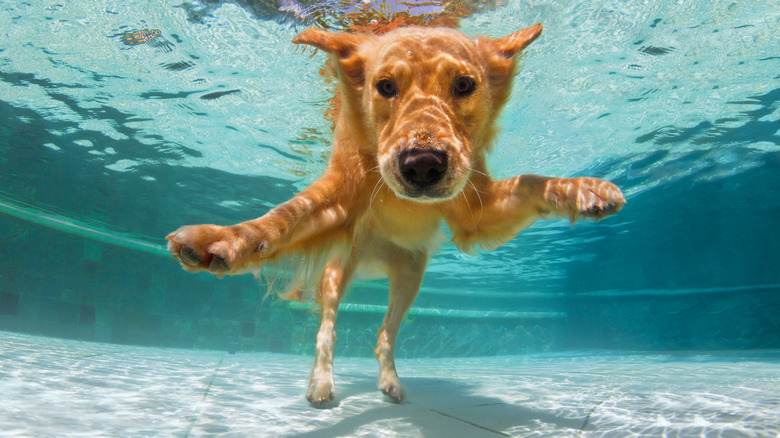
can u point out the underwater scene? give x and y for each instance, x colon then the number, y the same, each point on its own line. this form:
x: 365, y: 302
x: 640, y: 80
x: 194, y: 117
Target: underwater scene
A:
x: 122, y: 121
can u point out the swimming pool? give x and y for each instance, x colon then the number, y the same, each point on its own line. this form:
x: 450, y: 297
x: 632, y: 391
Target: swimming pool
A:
x: 123, y: 120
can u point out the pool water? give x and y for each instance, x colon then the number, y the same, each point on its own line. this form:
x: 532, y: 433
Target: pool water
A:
x: 121, y: 121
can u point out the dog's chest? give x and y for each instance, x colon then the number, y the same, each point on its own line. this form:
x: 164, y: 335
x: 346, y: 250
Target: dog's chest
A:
x: 409, y: 225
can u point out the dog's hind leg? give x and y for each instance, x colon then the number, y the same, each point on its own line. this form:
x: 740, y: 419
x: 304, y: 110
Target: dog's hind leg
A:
x: 334, y: 280
x: 405, y: 274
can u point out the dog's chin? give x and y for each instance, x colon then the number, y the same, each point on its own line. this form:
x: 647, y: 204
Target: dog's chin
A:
x: 428, y: 195
x: 425, y: 197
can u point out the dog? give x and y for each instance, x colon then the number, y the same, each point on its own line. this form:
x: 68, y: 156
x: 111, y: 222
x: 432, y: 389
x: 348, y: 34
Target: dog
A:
x: 417, y: 118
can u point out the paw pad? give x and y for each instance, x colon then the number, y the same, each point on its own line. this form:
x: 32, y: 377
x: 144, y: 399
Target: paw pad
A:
x: 189, y: 256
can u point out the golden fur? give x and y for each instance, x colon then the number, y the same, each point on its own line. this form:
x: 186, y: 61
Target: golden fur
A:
x: 418, y: 116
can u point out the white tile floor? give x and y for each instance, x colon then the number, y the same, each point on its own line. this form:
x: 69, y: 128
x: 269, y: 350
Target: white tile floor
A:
x: 54, y: 387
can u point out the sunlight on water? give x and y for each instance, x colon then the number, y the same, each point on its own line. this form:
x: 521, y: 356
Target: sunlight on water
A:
x: 608, y: 80
x: 622, y: 79
x: 154, y: 93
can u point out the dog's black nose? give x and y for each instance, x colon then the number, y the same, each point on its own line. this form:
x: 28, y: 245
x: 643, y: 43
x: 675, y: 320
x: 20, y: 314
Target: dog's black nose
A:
x: 422, y: 167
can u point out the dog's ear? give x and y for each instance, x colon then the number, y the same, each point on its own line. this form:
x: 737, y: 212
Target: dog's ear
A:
x: 511, y: 45
x: 342, y: 46
x: 501, y: 52
x: 501, y: 58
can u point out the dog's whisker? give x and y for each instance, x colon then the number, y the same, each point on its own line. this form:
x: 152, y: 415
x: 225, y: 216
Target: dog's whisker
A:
x: 479, y: 197
x: 374, y: 193
x: 477, y: 171
x: 466, y: 198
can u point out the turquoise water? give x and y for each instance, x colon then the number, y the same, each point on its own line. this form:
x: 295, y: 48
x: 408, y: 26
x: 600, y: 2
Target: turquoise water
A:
x: 106, y: 147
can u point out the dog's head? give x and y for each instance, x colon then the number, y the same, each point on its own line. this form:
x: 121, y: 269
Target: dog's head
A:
x: 425, y: 98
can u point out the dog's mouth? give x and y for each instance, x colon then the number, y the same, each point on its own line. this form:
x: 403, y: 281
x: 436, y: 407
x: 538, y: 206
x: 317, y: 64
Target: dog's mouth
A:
x: 422, y: 174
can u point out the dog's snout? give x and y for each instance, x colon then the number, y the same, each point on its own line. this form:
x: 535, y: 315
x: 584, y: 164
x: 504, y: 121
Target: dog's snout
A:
x: 422, y: 167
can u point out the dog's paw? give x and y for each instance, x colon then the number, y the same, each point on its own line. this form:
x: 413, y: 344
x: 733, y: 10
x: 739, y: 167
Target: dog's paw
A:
x: 392, y: 388
x: 218, y: 250
x: 321, y: 392
x: 585, y: 197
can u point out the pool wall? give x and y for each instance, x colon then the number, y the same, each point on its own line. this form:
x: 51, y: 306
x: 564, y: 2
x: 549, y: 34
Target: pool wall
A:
x: 59, y: 284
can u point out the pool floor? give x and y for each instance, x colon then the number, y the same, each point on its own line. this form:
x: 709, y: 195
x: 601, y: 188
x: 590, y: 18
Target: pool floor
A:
x: 60, y: 387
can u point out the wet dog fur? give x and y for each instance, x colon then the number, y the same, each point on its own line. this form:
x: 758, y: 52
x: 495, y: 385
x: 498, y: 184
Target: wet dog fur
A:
x: 418, y: 116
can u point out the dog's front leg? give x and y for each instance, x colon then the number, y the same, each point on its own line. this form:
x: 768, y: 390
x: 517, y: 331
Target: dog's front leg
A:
x: 526, y: 198
x: 320, y: 209
x: 333, y: 282
x: 575, y: 198
x: 496, y: 211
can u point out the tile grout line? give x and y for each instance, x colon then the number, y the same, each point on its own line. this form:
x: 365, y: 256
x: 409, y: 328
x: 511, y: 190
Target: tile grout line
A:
x: 203, y: 399
x: 498, y: 432
x: 598, y: 405
x: 95, y: 355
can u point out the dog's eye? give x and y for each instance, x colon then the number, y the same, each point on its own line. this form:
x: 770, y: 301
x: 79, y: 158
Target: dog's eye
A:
x: 387, y: 88
x: 463, y: 86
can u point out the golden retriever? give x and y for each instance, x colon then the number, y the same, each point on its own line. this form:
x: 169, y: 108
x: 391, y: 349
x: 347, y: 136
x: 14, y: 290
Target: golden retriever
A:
x: 417, y: 118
